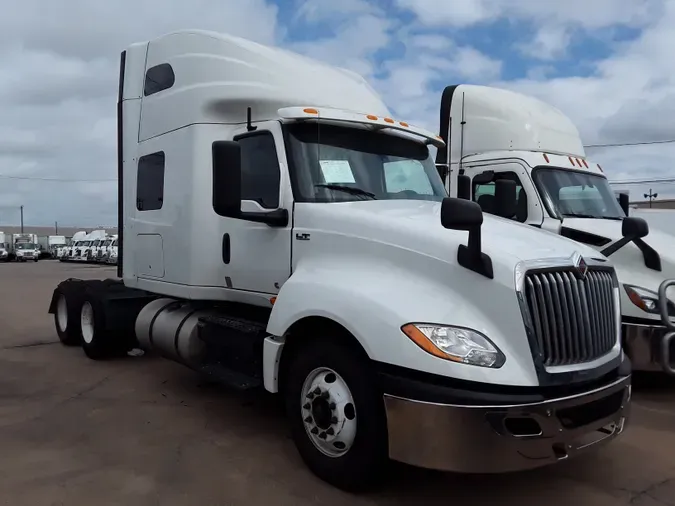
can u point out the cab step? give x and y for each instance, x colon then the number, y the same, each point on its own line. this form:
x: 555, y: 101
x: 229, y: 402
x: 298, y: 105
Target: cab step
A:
x: 234, y: 350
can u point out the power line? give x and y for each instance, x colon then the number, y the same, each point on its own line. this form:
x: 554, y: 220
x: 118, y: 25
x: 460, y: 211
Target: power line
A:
x: 623, y: 144
x: 31, y: 178
x: 669, y: 180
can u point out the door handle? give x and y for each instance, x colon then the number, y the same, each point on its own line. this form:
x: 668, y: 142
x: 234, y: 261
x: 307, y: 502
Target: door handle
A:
x: 226, y: 248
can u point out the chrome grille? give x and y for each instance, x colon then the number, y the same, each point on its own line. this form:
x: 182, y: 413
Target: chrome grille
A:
x: 573, y: 319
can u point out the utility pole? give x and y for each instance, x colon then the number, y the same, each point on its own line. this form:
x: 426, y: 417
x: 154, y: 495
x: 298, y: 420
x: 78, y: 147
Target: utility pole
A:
x: 651, y: 196
x: 22, y: 219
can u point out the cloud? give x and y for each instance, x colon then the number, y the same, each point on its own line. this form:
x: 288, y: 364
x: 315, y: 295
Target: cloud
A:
x: 606, y: 63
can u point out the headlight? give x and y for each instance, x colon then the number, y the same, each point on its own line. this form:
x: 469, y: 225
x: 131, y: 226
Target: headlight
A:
x: 647, y: 300
x: 457, y: 344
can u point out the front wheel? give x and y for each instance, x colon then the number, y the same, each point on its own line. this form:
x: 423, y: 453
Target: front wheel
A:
x: 337, y: 415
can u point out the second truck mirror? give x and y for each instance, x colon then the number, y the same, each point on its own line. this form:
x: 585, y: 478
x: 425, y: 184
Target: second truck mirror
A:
x: 226, y: 178
x: 505, y: 198
x: 463, y: 187
x: 624, y: 202
x: 634, y: 227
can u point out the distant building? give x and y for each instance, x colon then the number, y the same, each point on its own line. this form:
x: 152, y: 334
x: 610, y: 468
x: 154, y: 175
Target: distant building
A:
x: 656, y: 204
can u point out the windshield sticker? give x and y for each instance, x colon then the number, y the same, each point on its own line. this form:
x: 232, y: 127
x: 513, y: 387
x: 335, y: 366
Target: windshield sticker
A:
x: 337, y: 171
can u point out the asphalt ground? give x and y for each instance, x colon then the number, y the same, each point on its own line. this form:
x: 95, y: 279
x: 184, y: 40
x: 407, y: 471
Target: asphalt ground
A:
x: 146, y: 431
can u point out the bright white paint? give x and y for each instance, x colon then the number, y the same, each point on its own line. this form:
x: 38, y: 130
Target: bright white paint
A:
x: 372, y: 266
x: 510, y: 132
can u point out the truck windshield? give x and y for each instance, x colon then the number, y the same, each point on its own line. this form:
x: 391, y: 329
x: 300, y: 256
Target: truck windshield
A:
x: 25, y: 245
x: 332, y: 163
x: 576, y: 194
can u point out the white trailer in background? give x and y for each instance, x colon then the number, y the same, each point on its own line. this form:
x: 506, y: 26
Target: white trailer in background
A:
x: 55, y: 243
x: 498, y: 135
x: 279, y: 229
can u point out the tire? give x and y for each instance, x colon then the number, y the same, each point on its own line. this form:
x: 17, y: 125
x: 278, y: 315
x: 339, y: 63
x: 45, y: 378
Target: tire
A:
x: 97, y: 342
x: 35, y: 260
x: 362, y: 463
x: 67, y: 317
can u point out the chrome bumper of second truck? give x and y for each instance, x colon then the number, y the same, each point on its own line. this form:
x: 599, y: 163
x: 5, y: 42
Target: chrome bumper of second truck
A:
x: 504, y: 438
x: 652, y: 347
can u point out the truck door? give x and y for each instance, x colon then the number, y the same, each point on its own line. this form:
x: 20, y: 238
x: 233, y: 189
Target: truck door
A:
x: 257, y: 257
x: 483, y: 177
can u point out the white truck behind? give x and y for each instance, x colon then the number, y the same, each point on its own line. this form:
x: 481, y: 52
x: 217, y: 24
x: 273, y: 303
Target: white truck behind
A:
x: 26, y: 247
x: 495, y: 135
x: 335, y: 272
x: 6, y: 249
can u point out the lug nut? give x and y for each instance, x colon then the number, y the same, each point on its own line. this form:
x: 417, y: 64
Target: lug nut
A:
x: 308, y: 419
x: 330, y: 431
x: 314, y: 431
x: 331, y: 405
x: 307, y: 406
x: 325, y: 395
x: 317, y: 391
x: 334, y: 419
x: 322, y: 435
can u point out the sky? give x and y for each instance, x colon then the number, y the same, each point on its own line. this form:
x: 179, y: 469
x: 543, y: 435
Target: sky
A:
x: 607, y: 64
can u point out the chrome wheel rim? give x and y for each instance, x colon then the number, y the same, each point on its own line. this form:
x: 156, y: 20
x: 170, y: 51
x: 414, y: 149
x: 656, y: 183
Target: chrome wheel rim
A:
x: 62, y: 313
x: 328, y: 412
x: 87, y: 322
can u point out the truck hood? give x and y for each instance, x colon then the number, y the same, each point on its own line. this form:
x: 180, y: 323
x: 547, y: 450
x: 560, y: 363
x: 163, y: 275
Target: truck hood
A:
x: 629, y: 261
x: 416, y: 225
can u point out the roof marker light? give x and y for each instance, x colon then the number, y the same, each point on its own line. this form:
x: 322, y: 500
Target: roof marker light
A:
x: 309, y: 110
x: 600, y: 167
x: 571, y: 160
x: 578, y: 162
x: 389, y: 120
x: 546, y: 158
x: 403, y: 124
x: 585, y: 164
x: 370, y: 116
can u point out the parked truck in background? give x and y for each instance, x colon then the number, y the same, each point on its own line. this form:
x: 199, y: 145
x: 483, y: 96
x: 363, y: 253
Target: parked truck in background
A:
x: 54, y: 243
x: 6, y: 249
x: 337, y: 274
x: 26, y: 247
x: 495, y: 135
x: 69, y: 253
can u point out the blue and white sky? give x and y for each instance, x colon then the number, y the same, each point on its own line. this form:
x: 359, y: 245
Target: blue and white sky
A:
x: 608, y: 64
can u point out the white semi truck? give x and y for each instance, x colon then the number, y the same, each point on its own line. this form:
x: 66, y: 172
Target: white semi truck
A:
x: 494, y: 135
x: 396, y: 323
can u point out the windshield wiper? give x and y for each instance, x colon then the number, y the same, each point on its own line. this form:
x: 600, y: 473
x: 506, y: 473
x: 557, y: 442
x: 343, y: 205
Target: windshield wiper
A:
x: 347, y: 189
x: 592, y: 216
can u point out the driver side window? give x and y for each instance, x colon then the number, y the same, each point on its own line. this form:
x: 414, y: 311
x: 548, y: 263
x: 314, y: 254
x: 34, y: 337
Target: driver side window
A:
x: 260, y: 172
x: 484, y: 195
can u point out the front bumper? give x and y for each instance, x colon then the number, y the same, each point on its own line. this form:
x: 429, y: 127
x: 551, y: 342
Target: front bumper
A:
x: 497, y: 438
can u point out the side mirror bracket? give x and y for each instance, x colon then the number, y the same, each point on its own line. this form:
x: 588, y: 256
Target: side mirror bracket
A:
x: 633, y: 230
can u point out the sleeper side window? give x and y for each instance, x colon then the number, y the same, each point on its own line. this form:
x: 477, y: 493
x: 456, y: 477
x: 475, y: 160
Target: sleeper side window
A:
x: 158, y: 78
x: 150, y: 182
